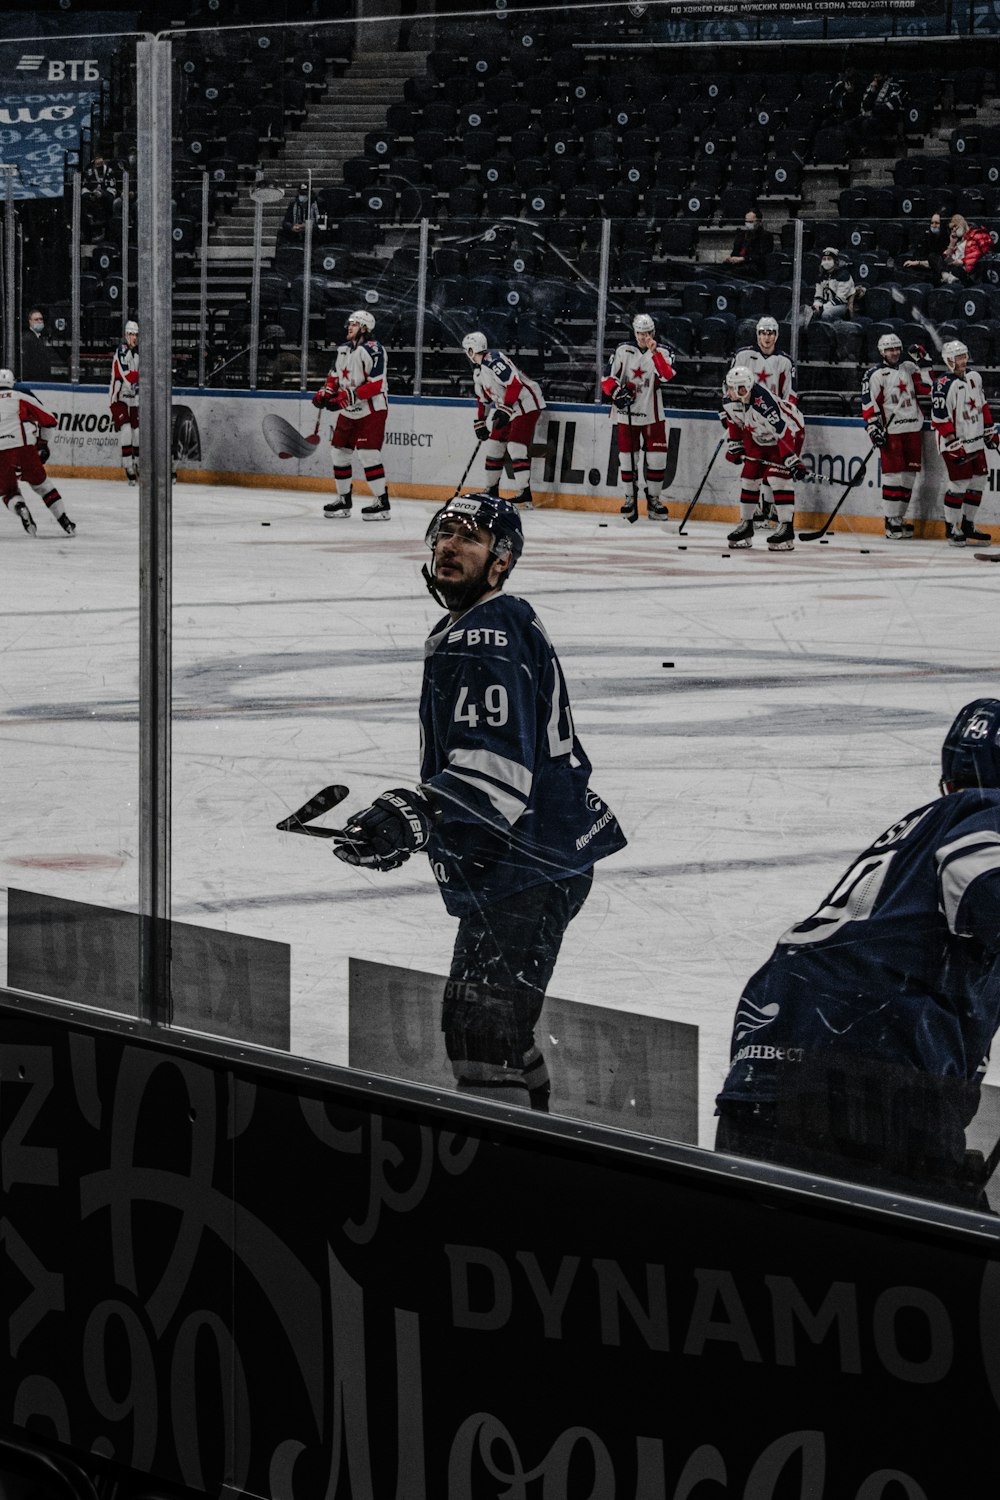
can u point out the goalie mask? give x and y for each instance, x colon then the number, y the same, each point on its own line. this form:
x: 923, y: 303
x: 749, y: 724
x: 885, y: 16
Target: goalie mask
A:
x: 739, y: 379
x: 953, y: 351
x: 970, y: 755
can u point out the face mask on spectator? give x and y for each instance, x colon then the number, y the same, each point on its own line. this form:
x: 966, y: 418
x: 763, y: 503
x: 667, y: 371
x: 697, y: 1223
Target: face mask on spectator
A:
x: 828, y: 263
x: 36, y: 325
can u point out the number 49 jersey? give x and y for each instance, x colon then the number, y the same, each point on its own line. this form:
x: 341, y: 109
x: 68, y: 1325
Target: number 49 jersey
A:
x: 500, y: 759
x: 900, y: 964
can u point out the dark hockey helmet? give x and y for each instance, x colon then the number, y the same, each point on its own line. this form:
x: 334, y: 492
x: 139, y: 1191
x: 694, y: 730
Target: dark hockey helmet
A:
x: 499, y: 517
x: 970, y: 755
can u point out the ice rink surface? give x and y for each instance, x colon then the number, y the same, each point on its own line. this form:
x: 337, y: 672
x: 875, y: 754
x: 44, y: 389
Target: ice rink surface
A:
x: 754, y: 720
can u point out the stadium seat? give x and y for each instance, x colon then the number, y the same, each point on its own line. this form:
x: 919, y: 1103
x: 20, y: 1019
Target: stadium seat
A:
x: 717, y: 336
x: 820, y: 343
x: 848, y: 337
x: 783, y: 177
x: 696, y: 299
x: 465, y: 201
x: 678, y: 239
x: 831, y: 146
x: 879, y: 303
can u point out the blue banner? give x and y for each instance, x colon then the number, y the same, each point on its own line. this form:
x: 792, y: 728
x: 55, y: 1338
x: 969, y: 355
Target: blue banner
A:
x: 38, y: 129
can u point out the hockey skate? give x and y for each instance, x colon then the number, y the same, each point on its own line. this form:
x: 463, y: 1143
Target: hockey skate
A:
x: 339, y: 507
x: 24, y: 515
x: 783, y: 539
x: 630, y: 510
x: 378, y: 510
x: 972, y: 535
x: 765, y: 514
x: 525, y: 500
x: 742, y: 536
x: 67, y: 525
x: 132, y: 474
x: 897, y: 530
x: 956, y: 536
x: 656, y: 510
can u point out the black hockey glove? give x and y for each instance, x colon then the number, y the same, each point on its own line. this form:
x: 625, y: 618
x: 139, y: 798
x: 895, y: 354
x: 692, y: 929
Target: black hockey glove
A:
x: 622, y: 397
x: 877, y: 434
x: 991, y: 437
x: 43, y: 450
x: 735, y: 451
x: 796, y: 468
x: 383, y: 836
x: 481, y: 429
x: 918, y: 354
x: 501, y: 415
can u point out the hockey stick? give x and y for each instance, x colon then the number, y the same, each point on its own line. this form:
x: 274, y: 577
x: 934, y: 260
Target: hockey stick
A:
x: 632, y: 515
x: 814, y: 536
x: 313, y: 438
x: 458, y: 488
x: 697, y: 495
x: 314, y: 808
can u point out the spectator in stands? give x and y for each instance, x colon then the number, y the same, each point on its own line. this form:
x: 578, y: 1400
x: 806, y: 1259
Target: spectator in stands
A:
x: 100, y: 191
x: 928, y: 249
x: 965, y: 249
x: 751, y: 247
x: 301, y: 209
x: 835, y: 289
x: 36, y: 357
x: 883, y: 107
x: 842, y: 100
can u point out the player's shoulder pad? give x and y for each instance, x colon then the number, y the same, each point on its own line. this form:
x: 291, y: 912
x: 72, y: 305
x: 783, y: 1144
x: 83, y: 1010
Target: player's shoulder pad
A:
x: 873, y: 370
x: 372, y: 344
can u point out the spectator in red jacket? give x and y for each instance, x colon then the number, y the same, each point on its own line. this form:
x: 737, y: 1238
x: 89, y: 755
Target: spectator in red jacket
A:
x: 966, y: 247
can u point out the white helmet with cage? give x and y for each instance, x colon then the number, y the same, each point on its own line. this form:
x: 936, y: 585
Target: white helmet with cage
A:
x: 767, y: 324
x: 739, y: 378
x: 953, y: 351
x: 6, y: 379
x: 643, y: 323
x: 475, y: 343
x: 364, y: 320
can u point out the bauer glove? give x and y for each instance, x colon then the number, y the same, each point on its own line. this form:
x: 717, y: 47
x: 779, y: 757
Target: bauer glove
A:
x: 481, y: 429
x: 877, y: 435
x: 383, y: 836
x: 735, y: 451
x: 501, y: 415
x: 991, y: 437
x: 796, y: 468
x: 918, y: 354
x: 344, y: 397
x: 955, y: 451
x: 622, y: 397
x: 43, y: 450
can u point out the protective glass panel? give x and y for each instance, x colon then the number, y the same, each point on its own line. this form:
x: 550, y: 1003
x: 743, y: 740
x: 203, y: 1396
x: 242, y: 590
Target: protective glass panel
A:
x: 70, y: 520
x: 616, y: 221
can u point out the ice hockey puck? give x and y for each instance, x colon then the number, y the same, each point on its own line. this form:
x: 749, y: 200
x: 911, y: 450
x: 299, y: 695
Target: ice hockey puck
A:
x: 824, y: 541
x: 602, y: 523
x: 865, y: 551
x: 265, y: 523
x: 725, y: 554
x: 681, y: 547
x: 667, y: 664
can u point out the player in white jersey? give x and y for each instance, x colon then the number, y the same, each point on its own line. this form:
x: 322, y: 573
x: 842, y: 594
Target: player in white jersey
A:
x: 776, y: 373
x: 124, y: 396
x: 634, y: 385
x: 894, y: 421
x: 964, y: 428
x: 508, y: 405
x: 357, y: 390
x: 23, y: 453
x: 766, y: 435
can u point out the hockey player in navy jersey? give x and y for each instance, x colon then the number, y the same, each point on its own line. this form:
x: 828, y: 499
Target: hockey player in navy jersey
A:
x: 504, y: 809
x: 508, y: 405
x: 858, y: 1048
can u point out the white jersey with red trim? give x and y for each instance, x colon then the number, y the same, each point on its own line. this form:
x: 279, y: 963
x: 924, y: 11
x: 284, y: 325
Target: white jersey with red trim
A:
x: 769, y: 421
x: 891, y: 391
x: 498, y: 381
x: 774, y: 371
x: 960, y: 411
x: 644, y: 373
x: 124, y: 384
x: 364, y: 370
x: 21, y: 418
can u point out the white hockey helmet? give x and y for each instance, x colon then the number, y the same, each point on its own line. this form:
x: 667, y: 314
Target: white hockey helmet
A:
x: 6, y: 379
x: 643, y: 323
x: 131, y: 327
x: 889, y: 341
x: 767, y: 324
x: 363, y: 319
x: 739, y: 378
x: 475, y: 343
x: 952, y: 351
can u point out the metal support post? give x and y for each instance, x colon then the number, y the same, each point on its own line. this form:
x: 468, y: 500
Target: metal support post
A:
x: 602, y: 305
x: 203, y: 282
x: 76, y: 233
x: 421, y: 313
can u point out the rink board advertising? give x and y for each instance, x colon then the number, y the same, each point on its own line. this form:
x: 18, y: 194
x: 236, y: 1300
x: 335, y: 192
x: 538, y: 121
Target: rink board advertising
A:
x: 301, y: 1283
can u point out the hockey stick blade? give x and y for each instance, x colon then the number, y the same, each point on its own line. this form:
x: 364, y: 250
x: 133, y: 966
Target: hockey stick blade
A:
x: 283, y: 439
x: 315, y: 808
x: 814, y: 536
x: 987, y: 556
x: 697, y: 493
